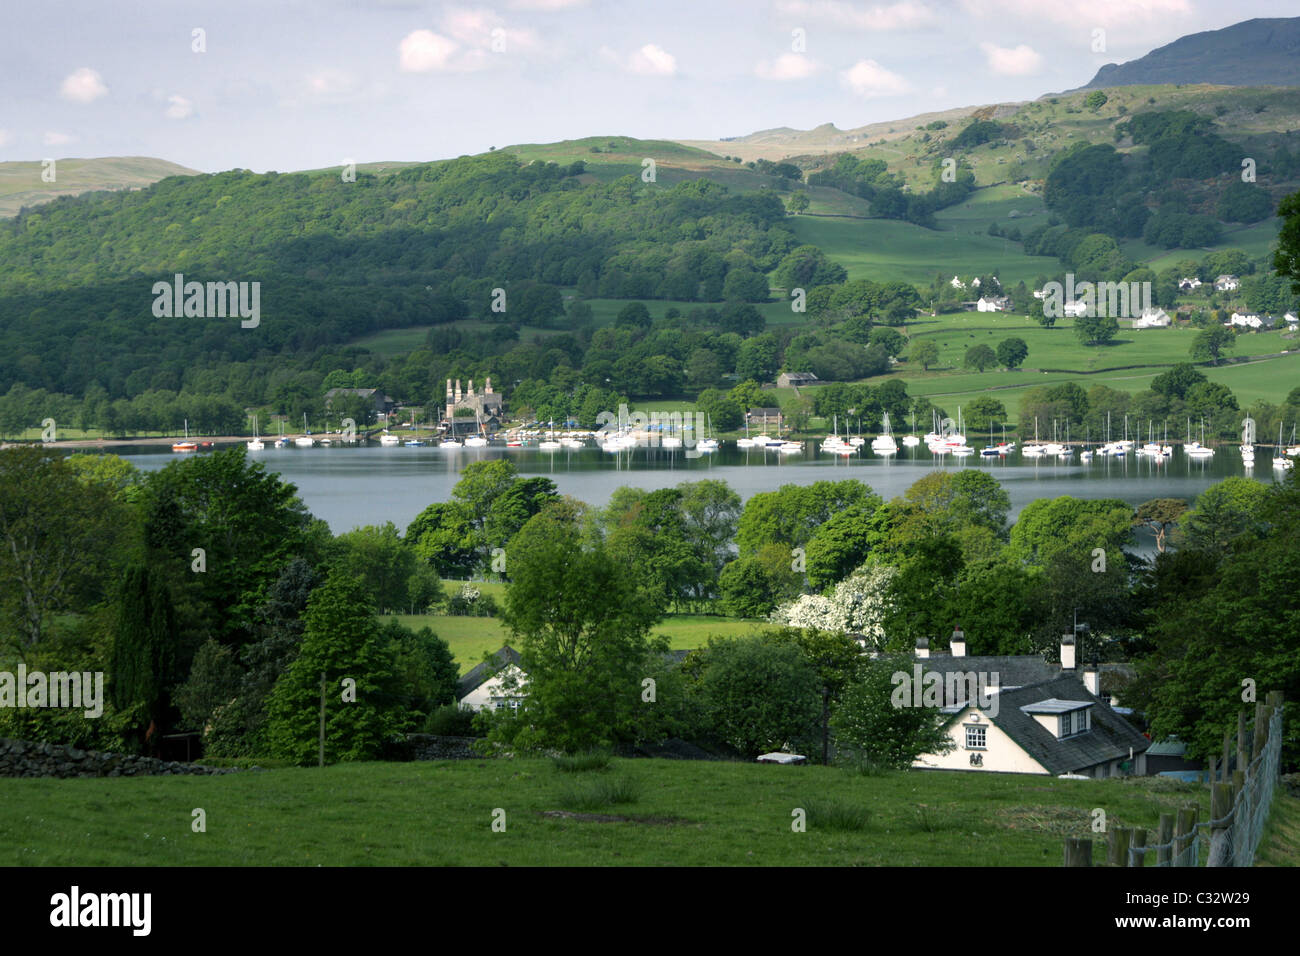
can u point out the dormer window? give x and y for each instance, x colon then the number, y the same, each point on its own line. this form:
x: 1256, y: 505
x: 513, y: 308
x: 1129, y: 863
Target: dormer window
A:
x: 1062, y: 718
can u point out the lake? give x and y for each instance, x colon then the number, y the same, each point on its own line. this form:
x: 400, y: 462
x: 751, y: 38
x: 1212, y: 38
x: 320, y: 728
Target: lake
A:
x: 349, y: 486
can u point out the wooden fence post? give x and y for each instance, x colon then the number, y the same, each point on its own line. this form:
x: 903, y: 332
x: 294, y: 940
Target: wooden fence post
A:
x: 1184, y: 832
x: 1118, y: 846
x: 1243, y: 758
x: 1261, y: 730
x: 1165, y: 836
x: 1214, y: 761
x: 1139, y: 842
x: 1078, y: 852
x: 1222, y: 825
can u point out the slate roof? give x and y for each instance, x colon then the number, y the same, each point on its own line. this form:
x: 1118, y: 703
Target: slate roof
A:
x: 1109, y: 739
x: 481, y: 673
x: 1011, y: 670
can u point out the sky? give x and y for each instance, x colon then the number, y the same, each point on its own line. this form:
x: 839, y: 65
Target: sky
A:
x: 303, y: 84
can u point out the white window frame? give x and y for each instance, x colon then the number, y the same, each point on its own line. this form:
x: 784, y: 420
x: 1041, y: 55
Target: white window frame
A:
x: 979, y: 730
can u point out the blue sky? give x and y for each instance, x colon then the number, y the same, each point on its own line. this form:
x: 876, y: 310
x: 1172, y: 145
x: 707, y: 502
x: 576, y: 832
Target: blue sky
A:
x: 297, y: 84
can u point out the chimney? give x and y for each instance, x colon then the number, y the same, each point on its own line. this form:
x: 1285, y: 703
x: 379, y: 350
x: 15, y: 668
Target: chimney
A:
x: 1092, y: 679
x: 957, y: 643
x: 1067, y: 653
x: 470, y: 393
x: 457, y: 391
x: 923, y: 647
x: 449, y: 398
x: 487, y: 388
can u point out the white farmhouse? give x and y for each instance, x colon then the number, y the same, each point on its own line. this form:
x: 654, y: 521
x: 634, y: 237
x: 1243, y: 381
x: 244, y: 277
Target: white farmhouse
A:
x: 1227, y: 283
x: 1074, y: 310
x: 1152, y: 319
x: 1188, y: 283
x: 993, y: 303
x: 1246, y: 320
x: 483, y: 687
x: 956, y: 283
x: 1042, y: 719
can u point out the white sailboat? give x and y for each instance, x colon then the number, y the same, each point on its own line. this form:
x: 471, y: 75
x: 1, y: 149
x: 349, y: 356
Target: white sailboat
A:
x: 884, y: 444
x: 304, y: 440
x: 256, y: 444
x: 1280, y: 461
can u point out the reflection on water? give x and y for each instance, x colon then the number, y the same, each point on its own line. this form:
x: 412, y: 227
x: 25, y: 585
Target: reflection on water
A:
x: 350, y: 486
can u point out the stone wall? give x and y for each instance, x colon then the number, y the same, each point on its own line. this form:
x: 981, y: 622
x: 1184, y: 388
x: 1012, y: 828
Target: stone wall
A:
x: 24, y: 758
x: 432, y: 747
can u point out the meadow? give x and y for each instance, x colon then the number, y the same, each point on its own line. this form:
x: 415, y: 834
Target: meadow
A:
x: 634, y: 812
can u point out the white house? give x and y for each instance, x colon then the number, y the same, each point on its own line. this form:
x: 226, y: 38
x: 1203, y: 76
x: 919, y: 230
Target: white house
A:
x: 1152, y: 319
x: 1042, y: 719
x: 484, y: 685
x: 996, y: 303
x: 1226, y: 283
x: 1246, y: 320
x: 1040, y: 294
x: 1291, y: 320
x: 957, y: 283
x: 1074, y: 310
x: 1188, y: 283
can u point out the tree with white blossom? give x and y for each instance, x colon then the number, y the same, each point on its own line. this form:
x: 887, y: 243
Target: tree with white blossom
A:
x: 858, y: 605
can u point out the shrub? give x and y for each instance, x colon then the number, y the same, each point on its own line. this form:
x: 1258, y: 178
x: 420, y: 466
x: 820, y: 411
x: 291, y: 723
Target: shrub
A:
x: 450, y: 720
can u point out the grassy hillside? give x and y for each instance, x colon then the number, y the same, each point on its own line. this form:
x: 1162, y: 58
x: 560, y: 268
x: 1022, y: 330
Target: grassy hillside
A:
x: 21, y: 184
x: 471, y: 637
x: 683, y: 813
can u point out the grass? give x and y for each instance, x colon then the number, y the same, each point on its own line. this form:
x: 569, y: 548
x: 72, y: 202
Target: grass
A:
x: 824, y: 814
x: 470, y: 638
x: 1280, y: 843
x: 600, y: 793
x: 688, y: 813
x: 580, y: 763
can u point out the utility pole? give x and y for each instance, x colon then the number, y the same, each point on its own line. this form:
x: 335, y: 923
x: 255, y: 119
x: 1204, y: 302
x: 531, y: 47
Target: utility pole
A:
x: 322, y: 718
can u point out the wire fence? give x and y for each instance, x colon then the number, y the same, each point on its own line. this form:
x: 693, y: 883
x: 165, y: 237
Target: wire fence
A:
x: 1241, y: 795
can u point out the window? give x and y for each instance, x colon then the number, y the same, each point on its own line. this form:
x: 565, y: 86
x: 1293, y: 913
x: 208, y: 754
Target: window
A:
x: 1075, y: 722
x: 975, y: 738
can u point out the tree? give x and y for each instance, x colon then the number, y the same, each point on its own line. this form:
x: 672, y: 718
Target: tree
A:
x: 924, y: 353
x: 1095, y: 100
x: 1012, y: 352
x: 745, y: 285
x: 844, y: 543
x: 758, y: 693
x: 1096, y: 329
x: 1160, y: 514
x: 985, y: 408
x: 381, y: 561
x: 1209, y: 345
x: 582, y: 625
x: 343, y: 641
x: 797, y: 202
x: 443, y: 536
x: 1286, y: 258
x: 1222, y: 514
x: 757, y: 358
x: 869, y: 725
x: 634, y: 314
x: 62, y: 541
x: 144, y: 650
x: 980, y: 357
x: 838, y: 661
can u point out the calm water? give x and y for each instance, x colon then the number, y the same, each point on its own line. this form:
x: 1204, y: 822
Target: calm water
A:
x: 363, y: 485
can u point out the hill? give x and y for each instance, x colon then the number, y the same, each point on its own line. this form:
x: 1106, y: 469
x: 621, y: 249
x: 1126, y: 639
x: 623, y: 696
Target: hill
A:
x: 21, y: 184
x: 1262, y: 52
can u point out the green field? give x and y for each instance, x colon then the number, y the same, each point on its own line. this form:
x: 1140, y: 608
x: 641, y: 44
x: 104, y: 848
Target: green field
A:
x: 885, y: 249
x: 470, y: 638
x: 684, y: 813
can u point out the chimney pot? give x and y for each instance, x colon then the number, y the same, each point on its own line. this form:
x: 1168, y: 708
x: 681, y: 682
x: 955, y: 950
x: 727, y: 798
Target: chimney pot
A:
x: 923, y: 647
x: 958, y: 642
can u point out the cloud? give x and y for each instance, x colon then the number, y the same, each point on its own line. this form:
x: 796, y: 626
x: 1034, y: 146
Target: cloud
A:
x: 330, y: 83
x: 1081, y: 13
x: 903, y: 15
x: 423, y: 50
x: 546, y: 5
x: 1012, y: 61
x: 52, y: 138
x: 652, y: 60
x: 479, y: 28
x: 788, y: 66
x: 178, y: 108
x: 869, y: 79
x: 83, y: 86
